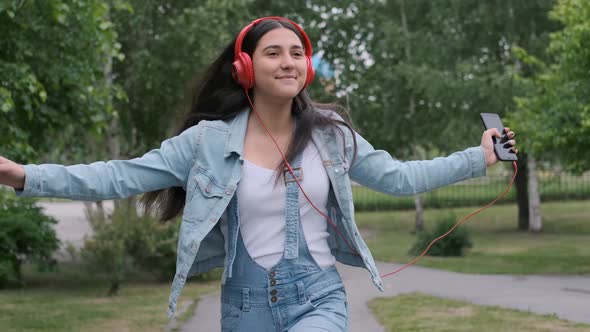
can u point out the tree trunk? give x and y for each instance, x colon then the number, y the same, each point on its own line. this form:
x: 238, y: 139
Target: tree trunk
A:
x: 114, y: 289
x: 418, y: 200
x: 535, y: 222
x: 95, y: 213
x: 522, y: 194
x: 113, y: 146
x: 113, y: 130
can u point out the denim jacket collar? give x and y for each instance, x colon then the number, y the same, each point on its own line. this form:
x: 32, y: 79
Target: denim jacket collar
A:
x: 237, y: 132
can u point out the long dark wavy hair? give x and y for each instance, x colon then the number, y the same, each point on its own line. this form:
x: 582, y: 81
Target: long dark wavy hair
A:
x: 218, y: 97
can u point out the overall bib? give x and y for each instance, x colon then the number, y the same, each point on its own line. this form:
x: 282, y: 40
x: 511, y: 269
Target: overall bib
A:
x: 294, y: 295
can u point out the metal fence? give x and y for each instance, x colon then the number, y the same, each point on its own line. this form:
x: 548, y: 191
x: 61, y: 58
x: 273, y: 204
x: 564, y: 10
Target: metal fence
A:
x: 480, y: 191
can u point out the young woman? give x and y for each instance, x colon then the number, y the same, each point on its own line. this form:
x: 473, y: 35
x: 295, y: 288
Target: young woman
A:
x: 241, y: 201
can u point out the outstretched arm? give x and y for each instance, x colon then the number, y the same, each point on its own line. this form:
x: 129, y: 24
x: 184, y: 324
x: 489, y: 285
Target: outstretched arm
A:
x: 378, y: 170
x: 161, y: 168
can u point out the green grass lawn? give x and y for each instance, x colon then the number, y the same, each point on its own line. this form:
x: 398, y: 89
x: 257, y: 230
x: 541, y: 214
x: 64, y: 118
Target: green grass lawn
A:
x: 73, y: 300
x: 498, y: 247
x: 418, y: 312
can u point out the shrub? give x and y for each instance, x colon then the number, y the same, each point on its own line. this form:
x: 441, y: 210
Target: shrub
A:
x: 211, y: 275
x: 125, y: 241
x: 153, y: 246
x: 104, y: 252
x: 26, y: 235
x: 453, y: 244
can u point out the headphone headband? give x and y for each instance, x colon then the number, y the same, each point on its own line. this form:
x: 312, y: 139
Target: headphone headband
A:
x: 242, y: 67
x: 246, y: 29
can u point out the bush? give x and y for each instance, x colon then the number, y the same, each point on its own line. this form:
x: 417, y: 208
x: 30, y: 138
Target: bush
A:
x: 26, y: 235
x: 104, y: 252
x: 453, y: 244
x: 126, y: 242
x: 211, y: 275
x: 153, y: 246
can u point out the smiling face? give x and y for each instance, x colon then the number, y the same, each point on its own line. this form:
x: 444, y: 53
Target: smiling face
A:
x: 280, y: 67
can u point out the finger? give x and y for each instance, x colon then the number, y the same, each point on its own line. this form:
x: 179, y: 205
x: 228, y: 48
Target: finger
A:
x: 494, y: 132
x: 511, y: 134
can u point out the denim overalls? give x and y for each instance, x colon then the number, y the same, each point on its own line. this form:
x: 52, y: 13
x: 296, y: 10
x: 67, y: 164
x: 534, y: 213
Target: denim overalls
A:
x: 294, y: 295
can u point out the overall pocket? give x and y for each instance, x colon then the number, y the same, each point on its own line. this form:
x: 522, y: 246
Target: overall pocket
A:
x: 230, y: 316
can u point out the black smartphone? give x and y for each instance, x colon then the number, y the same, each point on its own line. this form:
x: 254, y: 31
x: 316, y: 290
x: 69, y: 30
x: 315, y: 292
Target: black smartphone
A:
x: 501, y: 147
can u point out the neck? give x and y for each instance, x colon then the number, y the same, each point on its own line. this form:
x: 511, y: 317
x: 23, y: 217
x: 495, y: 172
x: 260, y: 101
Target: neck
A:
x: 276, y: 116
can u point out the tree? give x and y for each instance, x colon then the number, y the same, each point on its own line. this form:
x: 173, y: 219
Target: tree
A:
x: 554, y: 110
x: 51, y: 59
x: 166, y: 45
x: 415, y: 73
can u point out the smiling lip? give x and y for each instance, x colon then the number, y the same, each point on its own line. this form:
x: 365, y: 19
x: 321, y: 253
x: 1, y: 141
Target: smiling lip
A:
x: 284, y: 77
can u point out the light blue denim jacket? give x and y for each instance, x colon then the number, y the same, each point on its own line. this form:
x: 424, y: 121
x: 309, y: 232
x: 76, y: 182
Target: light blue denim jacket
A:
x: 206, y: 160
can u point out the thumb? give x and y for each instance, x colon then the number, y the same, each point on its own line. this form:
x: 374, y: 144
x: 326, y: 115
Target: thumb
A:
x: 5, y: 161
x: 494, y: 132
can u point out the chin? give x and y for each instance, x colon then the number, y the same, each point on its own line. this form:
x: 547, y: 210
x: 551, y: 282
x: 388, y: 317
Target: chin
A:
x: 288, y: 95
x: 290, y: 92
x: 282, y: 92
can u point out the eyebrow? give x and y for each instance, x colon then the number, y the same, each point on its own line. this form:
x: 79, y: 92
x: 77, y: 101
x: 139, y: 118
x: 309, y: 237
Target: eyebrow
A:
x: 279, y: 47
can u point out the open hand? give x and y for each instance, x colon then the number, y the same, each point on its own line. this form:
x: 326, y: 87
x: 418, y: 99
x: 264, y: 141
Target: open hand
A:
x: 488, y: 145
x: 11, y: 174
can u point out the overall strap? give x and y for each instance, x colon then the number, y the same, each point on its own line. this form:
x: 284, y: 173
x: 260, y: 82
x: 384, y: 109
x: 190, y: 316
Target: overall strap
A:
x: 292, y: 209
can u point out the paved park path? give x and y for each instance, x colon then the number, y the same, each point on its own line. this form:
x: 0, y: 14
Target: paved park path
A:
x: 568, y: 297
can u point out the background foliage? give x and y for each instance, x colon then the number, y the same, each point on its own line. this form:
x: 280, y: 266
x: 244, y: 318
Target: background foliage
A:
x: 554, y: 113
x: 454, y: 244
x: 51, y: 61
x: 124, y: 242
x: 410, y: 71
x: 26, y: 235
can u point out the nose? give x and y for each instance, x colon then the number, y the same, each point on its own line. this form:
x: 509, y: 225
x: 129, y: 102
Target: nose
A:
x: 287, y: 62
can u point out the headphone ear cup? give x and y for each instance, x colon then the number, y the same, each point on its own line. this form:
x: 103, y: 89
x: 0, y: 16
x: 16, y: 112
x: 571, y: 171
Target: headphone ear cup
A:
x: 243, y: 70
x: 310, y: 71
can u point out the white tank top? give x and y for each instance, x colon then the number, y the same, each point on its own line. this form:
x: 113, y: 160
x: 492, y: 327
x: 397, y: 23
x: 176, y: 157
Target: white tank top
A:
x: 261, y: 200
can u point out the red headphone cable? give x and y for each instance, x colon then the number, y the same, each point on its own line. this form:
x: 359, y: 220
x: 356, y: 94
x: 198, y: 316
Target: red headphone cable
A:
x: 296, y: 179
x: 457, y: 225
x: 334, y: 225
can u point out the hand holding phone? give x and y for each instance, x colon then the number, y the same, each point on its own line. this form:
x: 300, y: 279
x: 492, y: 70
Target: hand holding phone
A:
x: 502, y: 148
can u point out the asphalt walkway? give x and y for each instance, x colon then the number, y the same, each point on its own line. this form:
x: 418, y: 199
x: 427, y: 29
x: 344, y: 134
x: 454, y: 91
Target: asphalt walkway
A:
x: 568, y: 297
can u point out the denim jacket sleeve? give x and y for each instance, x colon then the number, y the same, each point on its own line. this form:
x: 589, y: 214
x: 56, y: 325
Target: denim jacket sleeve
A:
x: 161, y: 168
x: 379, y: 171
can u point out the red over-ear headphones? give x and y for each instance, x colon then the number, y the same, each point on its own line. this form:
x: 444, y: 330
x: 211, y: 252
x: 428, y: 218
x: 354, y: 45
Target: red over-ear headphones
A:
x: 243, y: 69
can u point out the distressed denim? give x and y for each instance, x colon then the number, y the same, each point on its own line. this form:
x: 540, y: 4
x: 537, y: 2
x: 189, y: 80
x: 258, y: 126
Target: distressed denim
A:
x: 206, y: 161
